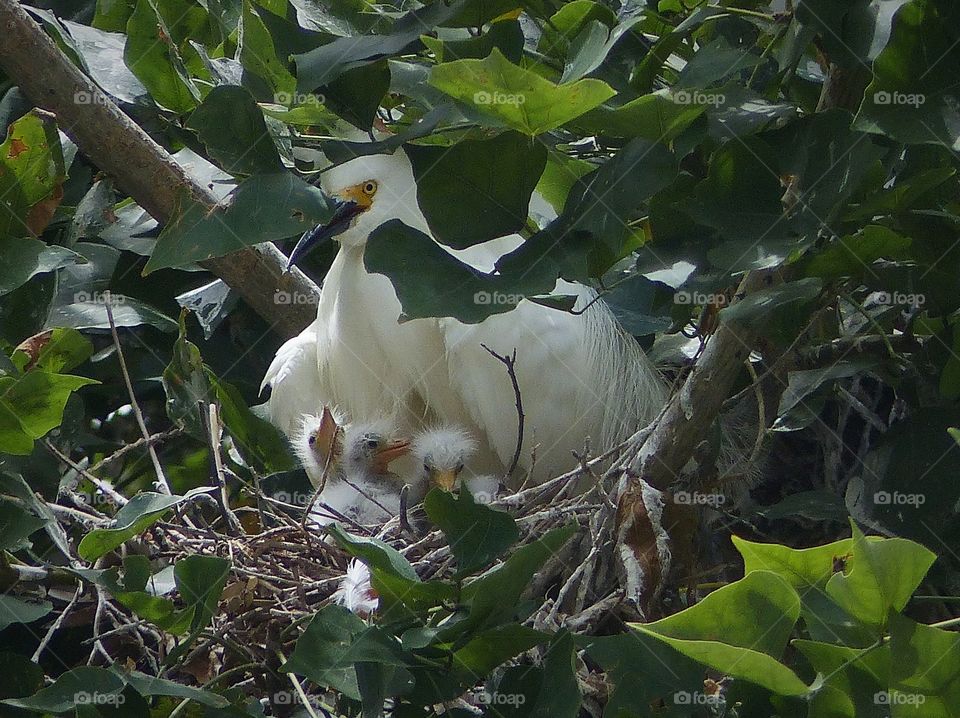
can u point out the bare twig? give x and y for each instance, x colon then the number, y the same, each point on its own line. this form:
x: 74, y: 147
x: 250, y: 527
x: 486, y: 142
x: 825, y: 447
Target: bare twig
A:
x: 133, y: 446
x: 510, y: 362
x: 102, y: 486
x: 216, y: 435
x: 55, y: 626
x: 161, y: 478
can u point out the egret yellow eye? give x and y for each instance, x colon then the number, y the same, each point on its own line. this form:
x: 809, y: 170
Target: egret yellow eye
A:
x: 369, y: 188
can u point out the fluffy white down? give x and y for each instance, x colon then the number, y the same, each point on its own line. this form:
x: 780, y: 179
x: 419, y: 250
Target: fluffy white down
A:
x: 353, y: 489
x: 356, y: 592
x: 443, y: 448
x: 579, y: 375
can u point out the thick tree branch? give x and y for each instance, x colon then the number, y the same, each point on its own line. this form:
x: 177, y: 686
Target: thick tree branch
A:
x: 143, y: 169
x: 691, y: 411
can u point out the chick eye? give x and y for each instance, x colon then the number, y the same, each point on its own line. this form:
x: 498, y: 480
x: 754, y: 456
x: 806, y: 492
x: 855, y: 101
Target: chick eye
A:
x: 459, y: 467
x: 369, y: 188
x: 372, y: 443
x: 311, y: 439
x: 426, y: 467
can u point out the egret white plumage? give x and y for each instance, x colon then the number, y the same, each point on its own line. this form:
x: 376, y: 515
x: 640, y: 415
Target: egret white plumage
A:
x: 359, y: 483
x: 443, y: 453
x: 579, y: 374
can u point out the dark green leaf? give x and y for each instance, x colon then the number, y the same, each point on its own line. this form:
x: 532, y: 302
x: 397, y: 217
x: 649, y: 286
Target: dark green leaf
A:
x: 333, y: 643
x: 24, y: 258
x: 133, y: 518
x: 17, y: 610
x: 231, y: 126
x: 477, y: 190
x: 84, y: 685
x: 925, y: 668
x: 262, y: 208
x: 16, y: 524
x: 476, y: 533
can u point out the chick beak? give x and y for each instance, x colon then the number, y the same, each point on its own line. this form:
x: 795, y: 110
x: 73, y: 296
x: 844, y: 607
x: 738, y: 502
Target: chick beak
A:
x: 326, y: 433
x: 444, y: 479
x: 389, y: 452
x: 344, y: 213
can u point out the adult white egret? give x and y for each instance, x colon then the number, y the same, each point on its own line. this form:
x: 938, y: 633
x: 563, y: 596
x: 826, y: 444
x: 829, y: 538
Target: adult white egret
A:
x: 579, y: 375
x: 443, y: 453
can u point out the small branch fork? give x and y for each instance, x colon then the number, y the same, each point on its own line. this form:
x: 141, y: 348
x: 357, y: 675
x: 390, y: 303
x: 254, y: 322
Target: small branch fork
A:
x: 510, y: 362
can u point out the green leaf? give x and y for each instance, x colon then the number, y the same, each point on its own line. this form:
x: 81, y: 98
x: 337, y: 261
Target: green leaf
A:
x: 261, y: 209
x: 77, y: 686
x: 259, y: 441
x: 808, y: 571
x: 133, y: 518
x: 656, y: 116
x: 187, y: 386
x: 519, y: 98
x: 333, y: 643
x: 16, y: 610
x: 925, y: 669
x: 32, y: 405
x: 475, y: 533
x: 200, y: 581
x: 740, y: 629
x: 31, y: 171
x: 152, y: 56
x: 65, y: 349
x: 16, y: 524
x: 852, y: 255
x: 913, y: 96
x: 357, y: 93
x: 858, y: 675
x: 374, y: 553
x: 668, y: 675
x: 569, y: 21
x: 19, y: 676
x: 477, y: 189
x: 808, y: 390
x: 487, y: 650
x: 765, y: 304
x: 90, y: 312
x: 430, y: 282
x: 25, y: 258
x: 151, y: 686
x: 259, y: 56
x: 817, y: 505
x: 492, y: 597
x: 559, y: 695
x: 504, y: 35
x: 393, y: 578
x: 232, y: 128
x: 881, y: 577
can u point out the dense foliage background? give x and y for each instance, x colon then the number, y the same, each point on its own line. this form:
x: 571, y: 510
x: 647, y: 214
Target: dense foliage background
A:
x: 682, y: 145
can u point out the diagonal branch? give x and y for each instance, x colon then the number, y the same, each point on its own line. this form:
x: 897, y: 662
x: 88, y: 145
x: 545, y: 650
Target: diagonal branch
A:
x: 141, y: 167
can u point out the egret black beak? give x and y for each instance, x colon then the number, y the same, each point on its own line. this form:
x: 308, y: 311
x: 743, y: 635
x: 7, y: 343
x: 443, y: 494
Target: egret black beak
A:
x: 343, y: 215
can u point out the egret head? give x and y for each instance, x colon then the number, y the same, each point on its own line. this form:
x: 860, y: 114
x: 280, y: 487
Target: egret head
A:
x: 443, y: 452
x: 320, y: 436
x: 369, y: 449
x: 369, y: 191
